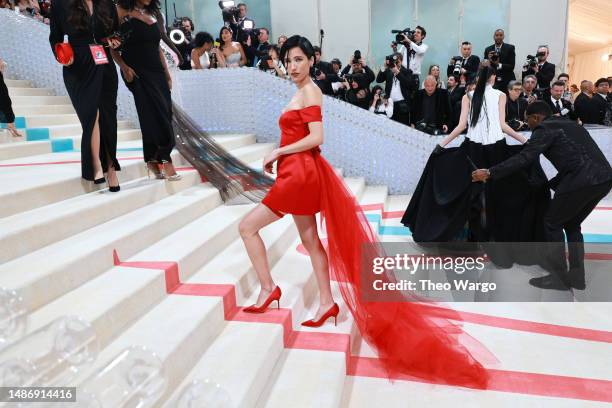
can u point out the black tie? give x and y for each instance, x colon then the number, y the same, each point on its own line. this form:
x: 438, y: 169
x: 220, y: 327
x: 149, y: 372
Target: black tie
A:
x: 559, y: 106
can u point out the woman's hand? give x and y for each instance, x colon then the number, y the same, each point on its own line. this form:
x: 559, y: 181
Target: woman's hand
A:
x: 69, y: 63
x: 114, y: 43
x: 128, y: 73
x: 270, y: 159
x: 169, y: 79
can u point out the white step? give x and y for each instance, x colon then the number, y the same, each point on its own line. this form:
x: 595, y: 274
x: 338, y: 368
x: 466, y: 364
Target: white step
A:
x: 122, y: 294
x: 21, y: 91
x: 12, y: 149
x: 49, y: 272
x: 40, y: 100
x: 306, y: 378
x: 25, y: 188
x: 17, y: 83
x: 43, y: 109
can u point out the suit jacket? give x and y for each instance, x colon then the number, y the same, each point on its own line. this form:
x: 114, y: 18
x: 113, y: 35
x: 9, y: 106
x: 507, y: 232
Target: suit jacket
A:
x: 507, y: 57
x: 569, y: 147
x: 442, y: 107
x: 564, y: 105
x: 545, y: 75
x: 406, y: 80
x: 470, y: 65
x: 587, y: 109
x: 455, y: 97
x: 601, y: 104
x: 367, y: 71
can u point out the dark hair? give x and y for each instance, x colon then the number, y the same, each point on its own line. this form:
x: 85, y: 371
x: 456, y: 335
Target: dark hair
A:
x: 152, y: 8
x: 337, y: 62
x: 563, y: 74
x: 558, y: 83
x: 221, y: 42
x: 486, y: 72
x: 265, y: 29
x: 297, y: 41
x: 466, y: 43
x: 316, y: 48
x: 539, y: 108
x: 78, y: 15
x: 376, y: 88
x: 241, y: 4
x: 600, y: 81
x: 202, y: 38
x: 422, y: 31
x: 190, y: 22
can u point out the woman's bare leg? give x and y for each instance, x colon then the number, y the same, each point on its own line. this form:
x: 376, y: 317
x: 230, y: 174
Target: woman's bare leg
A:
x: 95, y: 149
x: 307, y: 226
x: 249, y: 228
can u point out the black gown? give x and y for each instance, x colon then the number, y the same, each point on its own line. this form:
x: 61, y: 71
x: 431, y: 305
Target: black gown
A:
x: 92, y: 88
x: 150, y: 88
x: 446, y: 206
x: 6, y: 107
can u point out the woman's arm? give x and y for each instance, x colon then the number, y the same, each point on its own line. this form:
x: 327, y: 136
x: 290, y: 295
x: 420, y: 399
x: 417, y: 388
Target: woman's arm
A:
x: 502, y: 121
x: 312, y: 97
x: 243, y: 59
x: 195, y: 59
x: 389, y: 110
x: 463, y: 121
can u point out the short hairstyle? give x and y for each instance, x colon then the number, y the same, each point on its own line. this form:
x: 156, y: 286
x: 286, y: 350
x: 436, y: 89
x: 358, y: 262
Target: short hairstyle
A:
x: 514, y: 83
x: 558, y: 83
x: 337, y: 62
x: 265, y: 29
x: 539, y: 108
x: 241, y: 4
x: 530, y: 77
x: 422, y: 31
x: 500, y: 29
x: 584, y: 81
x: 317, y: 49
x: 190, y: 22
x: 466, y: 43
x: 202, y: 38
x: 600, y: 81
x: 564, y: 75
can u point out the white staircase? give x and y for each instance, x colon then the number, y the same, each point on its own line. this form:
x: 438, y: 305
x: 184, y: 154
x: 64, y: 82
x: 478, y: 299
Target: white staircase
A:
x: 161, y: 264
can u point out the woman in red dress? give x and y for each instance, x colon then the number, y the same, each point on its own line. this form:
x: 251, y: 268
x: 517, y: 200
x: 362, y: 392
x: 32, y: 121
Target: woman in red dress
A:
x: 410, y: 338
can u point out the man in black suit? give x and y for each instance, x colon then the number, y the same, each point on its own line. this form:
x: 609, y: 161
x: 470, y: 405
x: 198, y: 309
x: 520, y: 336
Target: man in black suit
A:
x: 559, y: 106
x: 399, y: 85
x: 469, y: 63
x: 584, y: 178
x: 323, y: 73
x: 455, y: 94
x: 516, y: 107
x: 586, y: 110
x: 431, y: 108
x: 602, y: 100
x: 502, y: 57
x: 543, y: 70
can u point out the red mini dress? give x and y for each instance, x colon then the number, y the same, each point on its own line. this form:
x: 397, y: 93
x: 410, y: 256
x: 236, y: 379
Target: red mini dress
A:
x: 297, y: 189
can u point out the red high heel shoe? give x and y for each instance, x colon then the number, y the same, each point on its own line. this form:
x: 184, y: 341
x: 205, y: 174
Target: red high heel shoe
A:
x: 274, y: 295
x: 332, y: 312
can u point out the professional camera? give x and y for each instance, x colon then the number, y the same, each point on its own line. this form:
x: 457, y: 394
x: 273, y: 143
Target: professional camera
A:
x: 516, y: 125
x: 349, y: 78
x: 391, y: 60
x: 532, y: 60
x: 458, y: 66
x: 494, y: 56
x: 230, y: 12
x: 356, y: 57
x: 399, y: 34
x: 317, y: 72
x: 428, y: 128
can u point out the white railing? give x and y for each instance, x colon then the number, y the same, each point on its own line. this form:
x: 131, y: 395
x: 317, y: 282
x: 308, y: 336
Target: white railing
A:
x: 246, y: 100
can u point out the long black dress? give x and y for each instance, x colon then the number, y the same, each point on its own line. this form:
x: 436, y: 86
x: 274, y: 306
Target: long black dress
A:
x: 6, y: 108
x: 92, y: 88
x: 150, y: 88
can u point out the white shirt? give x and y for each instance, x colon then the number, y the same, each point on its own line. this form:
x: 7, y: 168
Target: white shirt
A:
x: 387, y: 110
x: 488, y: 128
x: 554, y: 101
x: 396, y: 91
x: 279, y: 64
x: 415, y: 61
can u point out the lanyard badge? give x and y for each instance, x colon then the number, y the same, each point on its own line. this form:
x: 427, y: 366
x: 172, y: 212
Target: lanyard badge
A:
x: 98, y: 54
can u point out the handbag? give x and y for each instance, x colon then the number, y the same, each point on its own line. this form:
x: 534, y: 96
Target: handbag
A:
x: 63, y: 53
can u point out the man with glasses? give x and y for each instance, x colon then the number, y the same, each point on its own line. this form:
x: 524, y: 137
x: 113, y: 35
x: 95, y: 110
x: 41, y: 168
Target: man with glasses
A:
x: 516, y: 107
x: 529, y: 89
x: 584, y: 178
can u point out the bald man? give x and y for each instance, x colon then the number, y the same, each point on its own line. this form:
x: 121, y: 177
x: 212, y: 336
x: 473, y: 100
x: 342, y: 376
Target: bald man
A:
x: 431, y: 108
x: 586, y: 110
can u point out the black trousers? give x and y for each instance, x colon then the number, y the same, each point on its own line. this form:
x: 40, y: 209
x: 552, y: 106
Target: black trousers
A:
x: 401, y: 112
x: 565, y: 213
x: 6, y: 108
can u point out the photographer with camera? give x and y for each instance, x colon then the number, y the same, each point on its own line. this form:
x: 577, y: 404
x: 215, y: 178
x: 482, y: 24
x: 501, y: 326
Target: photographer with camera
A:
x: 455, y: 93
x: 431, y: 108
x: 502, y: 57
x: 322, y: 73
x: 516, y: 107
x: 185, y: 47
x: 237, y: 18
x: 271, y: 62
x: 355, y: 88
x: 254, y: 52
x: 543, y: 70
x: 529, y: 89
x: 465, y: 64
x: 399, y: 85
x: 358, y: 66
x: 410, y: 44
x: 381, y: 104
